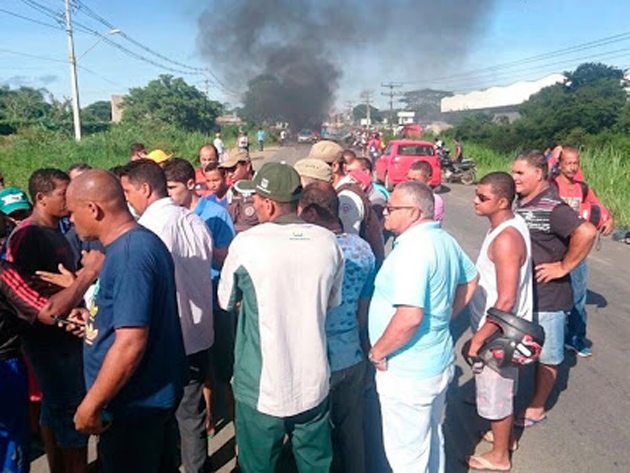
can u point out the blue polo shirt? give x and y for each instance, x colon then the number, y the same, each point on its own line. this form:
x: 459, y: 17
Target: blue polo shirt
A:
x: 423, y: 270
x: 220, y: 224
x: 136, y: 288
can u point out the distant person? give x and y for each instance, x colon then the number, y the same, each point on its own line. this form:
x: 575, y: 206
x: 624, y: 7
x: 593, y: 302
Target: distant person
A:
x: 56, y: 356
x: 422, y: 171
x: 240, y: 203
x: 216, y: 180
x: 345, y: 325
x: 207, y: 154
x: 285, y: 274
x: 243, y: 141
x: 560, y: 241
x: 283, y: 137
x: 260, y: 136
x: 138, y: 151
x: 459, y: 150
x: 135, y: 363
x: 219, y: 146
x: 425, y: 281
x: 578, y: 195
x: 505, y: 283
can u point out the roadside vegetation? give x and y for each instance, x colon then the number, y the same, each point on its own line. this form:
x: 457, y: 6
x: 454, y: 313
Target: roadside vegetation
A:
x: 589, y: 111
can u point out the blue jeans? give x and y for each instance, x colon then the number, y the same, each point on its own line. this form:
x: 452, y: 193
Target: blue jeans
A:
x: 14, y: 425
x: 576, y: 326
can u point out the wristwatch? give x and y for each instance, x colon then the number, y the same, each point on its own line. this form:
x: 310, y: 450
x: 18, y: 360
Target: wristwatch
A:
x: 374, y: 361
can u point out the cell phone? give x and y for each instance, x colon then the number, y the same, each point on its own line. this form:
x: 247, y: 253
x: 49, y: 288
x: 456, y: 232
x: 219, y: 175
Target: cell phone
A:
x: 63, y: 321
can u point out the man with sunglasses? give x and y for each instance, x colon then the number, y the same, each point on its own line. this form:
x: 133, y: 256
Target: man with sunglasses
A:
x: 505, y: 283
x: 240, y: 204
x: 425, y: 280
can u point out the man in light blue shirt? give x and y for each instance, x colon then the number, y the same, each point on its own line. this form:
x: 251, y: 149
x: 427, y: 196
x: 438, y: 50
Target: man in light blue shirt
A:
x: 426, y: 279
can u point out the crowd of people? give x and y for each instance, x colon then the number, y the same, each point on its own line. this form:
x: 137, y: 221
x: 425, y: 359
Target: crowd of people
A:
x: 130, y: 297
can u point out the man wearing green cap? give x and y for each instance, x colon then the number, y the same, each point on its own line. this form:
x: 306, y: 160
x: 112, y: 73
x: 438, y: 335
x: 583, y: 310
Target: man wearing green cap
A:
x: 14, y: 207
x: 286, y: 274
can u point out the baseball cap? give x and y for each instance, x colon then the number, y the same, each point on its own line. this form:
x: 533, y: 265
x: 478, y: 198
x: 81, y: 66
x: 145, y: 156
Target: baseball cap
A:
x: 314, y: 168
x: 158, y: 155
x: 235, y: 156
x: 275, y: 181
x: 327, y: 151
x: 12, y: 199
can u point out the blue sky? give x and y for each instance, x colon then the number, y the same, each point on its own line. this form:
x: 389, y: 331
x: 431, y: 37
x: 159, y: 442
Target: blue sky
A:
x: 515, y: 30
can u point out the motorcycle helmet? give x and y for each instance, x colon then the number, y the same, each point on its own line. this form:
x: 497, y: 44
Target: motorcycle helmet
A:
x: 517, y: 342
x: 592, y: 212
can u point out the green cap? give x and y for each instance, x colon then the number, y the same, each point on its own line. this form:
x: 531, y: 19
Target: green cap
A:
x: 12, y: 199
x: 275, y: 181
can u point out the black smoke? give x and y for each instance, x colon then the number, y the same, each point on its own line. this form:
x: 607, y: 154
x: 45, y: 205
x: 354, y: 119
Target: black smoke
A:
x: 291, y: 55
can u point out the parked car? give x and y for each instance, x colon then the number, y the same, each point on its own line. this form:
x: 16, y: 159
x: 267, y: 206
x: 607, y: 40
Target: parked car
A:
x: 392, y: 167
x: 305, y: 136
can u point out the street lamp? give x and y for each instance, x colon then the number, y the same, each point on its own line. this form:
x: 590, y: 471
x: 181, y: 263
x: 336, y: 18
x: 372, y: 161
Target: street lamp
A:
x: 102, y: 37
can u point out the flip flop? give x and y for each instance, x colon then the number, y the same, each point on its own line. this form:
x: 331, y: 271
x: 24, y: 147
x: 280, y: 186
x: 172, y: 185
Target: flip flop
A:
x: 528, y: 422
x: 485, y: 465
x: 489, y: 437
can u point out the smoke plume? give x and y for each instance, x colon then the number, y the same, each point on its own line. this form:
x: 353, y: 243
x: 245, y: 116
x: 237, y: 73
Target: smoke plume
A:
x: 293, y: 54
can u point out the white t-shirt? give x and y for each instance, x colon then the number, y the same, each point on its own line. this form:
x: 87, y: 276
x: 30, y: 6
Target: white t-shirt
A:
x: 189, y: 240
x: 218, y: 144
x: 351, y: 209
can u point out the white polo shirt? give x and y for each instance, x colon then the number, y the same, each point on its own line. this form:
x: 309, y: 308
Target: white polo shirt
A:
x: 189, y: 240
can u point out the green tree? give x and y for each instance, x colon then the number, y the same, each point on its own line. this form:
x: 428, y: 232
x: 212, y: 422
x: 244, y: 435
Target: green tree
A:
x: 100, y: 111
x: 23, y: 107
x: 170, y: 100
x: 360, y: 111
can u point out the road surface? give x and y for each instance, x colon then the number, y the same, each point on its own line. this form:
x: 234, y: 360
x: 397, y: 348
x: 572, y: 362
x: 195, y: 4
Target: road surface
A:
x: 589, y: 412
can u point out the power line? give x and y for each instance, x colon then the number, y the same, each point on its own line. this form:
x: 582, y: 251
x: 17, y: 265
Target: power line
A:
x: 91, y: 13
x: 391, y: 86
x: 19, y: 53
x: 508, y: 65
x: 32, y: 20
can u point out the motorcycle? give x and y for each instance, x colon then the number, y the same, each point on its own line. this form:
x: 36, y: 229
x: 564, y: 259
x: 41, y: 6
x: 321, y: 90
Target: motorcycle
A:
x: 464, y: 172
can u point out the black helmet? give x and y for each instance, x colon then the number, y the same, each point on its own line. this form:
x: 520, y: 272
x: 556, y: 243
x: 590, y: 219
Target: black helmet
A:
x: 517, y: 342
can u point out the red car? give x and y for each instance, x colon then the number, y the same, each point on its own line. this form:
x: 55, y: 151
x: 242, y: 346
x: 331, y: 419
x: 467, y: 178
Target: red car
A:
x: 392, y: 167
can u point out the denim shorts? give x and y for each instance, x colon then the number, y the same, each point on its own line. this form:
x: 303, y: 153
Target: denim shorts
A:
x: 553, y: 324
x: 59, y: 372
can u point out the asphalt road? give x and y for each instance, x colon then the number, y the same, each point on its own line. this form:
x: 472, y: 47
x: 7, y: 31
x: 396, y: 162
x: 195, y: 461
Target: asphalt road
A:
x: 589, y: 411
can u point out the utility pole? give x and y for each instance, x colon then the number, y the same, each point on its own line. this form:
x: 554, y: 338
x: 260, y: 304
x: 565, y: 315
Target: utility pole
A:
x: 74, y: 84
x: 367, y: 96
x: 391, y: 86
x: 349, y: 104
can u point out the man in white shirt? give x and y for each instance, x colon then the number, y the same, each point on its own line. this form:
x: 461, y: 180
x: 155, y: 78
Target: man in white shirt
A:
x: 188, y: 239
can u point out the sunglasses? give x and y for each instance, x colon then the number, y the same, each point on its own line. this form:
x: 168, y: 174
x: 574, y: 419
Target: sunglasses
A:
x: 482, y: 198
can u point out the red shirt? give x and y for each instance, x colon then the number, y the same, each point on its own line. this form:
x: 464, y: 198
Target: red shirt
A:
x: 573, y: 195
x: 201, y: 187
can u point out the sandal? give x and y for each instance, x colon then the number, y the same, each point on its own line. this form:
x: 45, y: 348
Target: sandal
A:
x: 527, y: 422
x: 485, y: 465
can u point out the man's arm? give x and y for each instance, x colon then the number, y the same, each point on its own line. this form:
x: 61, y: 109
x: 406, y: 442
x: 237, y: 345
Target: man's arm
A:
x: 400, y: 330
x: 463, y: 294
x: 119, y: 365
x: 580, y: 244
x: 508, y: 252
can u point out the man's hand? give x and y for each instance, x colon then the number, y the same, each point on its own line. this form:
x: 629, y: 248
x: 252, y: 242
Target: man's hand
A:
x: 549, y: 271
x: 80, y: 316
x: 88, y: 420
x: 64, y: 278
x: 92, y: 261
x: 608, y: 227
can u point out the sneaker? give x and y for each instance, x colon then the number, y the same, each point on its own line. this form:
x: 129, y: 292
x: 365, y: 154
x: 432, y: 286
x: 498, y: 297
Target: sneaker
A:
x: 579, y: 348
